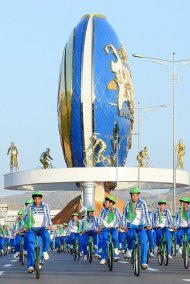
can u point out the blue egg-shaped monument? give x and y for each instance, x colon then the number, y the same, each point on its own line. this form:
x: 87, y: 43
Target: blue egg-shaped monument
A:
x: 95, y: 98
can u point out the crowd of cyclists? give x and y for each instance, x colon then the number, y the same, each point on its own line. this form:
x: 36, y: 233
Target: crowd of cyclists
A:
x: 136, y: 221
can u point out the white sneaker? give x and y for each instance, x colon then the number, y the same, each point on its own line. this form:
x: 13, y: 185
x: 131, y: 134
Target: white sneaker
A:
x: 128, y: 253
x: 25, y: 252
x: 103, y: 262
x: 151, y: 254
x: 45, y: 255
x: 169, y: 256
x: 116, y: 251
x: 31, y: 269
x: 123, y: 251
x: 144, y: 266
x: 180, y: 250
x: 85, y: 257
x: 2, y: 251
x: 40, y: 267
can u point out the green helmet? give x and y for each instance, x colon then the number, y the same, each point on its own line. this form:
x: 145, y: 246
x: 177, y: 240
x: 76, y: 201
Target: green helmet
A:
x: 134, y: 190
x: 111, y: 198
x: 29, y: 201
x: 162, y: 201
x: 75, y: 214
x: 37, y: 193
x: 185, y: 199
x: 90, y: 210
x: 65, y: 224
x: 21, y: 212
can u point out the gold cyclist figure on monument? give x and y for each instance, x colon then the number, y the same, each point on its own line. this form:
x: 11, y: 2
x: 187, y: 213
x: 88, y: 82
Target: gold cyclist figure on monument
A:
x: 45, y: 159
x: 143, y: 154
x: 13, y: 152
x: 180, y: 149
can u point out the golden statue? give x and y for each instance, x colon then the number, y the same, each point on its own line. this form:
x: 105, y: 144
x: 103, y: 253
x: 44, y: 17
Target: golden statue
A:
x: 45, y: 159
x: 180, y: 149
x: 102, y: 148
x: 143, y: 154
x: 13, y: 157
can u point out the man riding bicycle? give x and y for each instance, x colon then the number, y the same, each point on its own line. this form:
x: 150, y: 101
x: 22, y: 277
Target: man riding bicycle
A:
x: 162, y: 221
x: 89, y: 227
x: 16, y: 232
x: 109, y: 221
x: 136, y: 216
x: 183, y: 222
x: 37, y: 220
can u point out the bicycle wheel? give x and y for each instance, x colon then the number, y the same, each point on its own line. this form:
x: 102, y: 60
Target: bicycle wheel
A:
x: 165, y: 253
x: 90, y: 250
x: 65, y: 247
x: 174, y: 247
x: 89, y: 161
x: 59, y: 250
x: 160, y: 256
x: 21, y: 255
x: 78, y: 251
x: 110, y: 257
x: 136, y: 262
x: 74, y: 253
x: 185, y: 255
x: 37, y: 262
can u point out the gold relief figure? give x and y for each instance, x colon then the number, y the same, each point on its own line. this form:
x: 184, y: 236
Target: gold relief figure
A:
x: 45, y: 159
x: 180, y: 149
x: 122, y: 80
x: 97, y: 142
x: 143, y: 154
x: 13, y: 152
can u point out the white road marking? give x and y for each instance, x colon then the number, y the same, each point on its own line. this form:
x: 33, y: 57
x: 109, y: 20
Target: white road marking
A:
x: 7, y: 265
x: 13, y: 260
x: 1, y: 272
x: 120, y: 261
x: 152, y: 269
x: 187, y: 280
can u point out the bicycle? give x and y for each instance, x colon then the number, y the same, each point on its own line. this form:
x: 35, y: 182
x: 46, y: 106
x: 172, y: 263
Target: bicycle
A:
x: 185, y: 251
x: 173, y: 251
x: 21, y: 255
x: 37, y: 254
x: 110, y: 252
x: 90, y: 248
x: 92, y: 160
x: 162, y: 253
x: 64, y: 246
x: 76, y: 250
x: 135, y: 256
x: 59, y: 249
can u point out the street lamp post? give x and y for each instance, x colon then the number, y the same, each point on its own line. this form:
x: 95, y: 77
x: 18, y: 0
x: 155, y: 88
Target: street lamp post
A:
x: 150, y: 108
x: 174, y: 79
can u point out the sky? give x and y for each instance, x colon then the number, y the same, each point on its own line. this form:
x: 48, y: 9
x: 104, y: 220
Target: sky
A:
x: 33, y: 34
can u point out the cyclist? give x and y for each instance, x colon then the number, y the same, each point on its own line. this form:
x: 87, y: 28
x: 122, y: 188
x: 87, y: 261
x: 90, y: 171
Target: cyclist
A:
x: 7, y: 234
x: 37, y: 219
x: 27, y: 202
x: 74, y: 231
x: 108, y: 222
x: 45, y: 158
x: 89, y: 227
x: 162, y: 220
x: 2, y: 234
x: 183, y: 222
x: 150, y: 236
x: 64, y: 235
x: 136, y: 217
x: 58, y: 239
x: 16, y: 232
x: 100, y: 238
